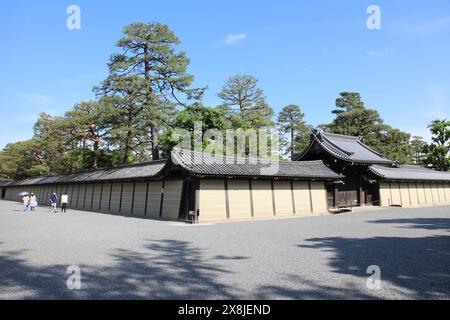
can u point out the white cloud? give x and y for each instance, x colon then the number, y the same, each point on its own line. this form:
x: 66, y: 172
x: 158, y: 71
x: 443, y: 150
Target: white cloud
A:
x: 380, y: 53
x: 234, y: 38
x: 424, y: 29
x: 36, y: 98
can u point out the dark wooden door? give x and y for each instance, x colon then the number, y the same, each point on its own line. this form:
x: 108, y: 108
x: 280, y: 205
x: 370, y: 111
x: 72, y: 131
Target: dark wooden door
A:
x: 347, y: 198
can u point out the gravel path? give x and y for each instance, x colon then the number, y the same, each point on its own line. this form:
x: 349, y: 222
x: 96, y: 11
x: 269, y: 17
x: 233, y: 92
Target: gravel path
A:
x: 301, y: 258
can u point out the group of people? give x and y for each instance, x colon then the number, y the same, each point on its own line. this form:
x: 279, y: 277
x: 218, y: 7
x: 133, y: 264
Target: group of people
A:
x: 29, y: 202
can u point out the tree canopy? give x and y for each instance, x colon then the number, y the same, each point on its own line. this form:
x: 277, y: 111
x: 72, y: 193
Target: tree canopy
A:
x: 291, y: 123
x: 439, y: 149
x: 355, y: 119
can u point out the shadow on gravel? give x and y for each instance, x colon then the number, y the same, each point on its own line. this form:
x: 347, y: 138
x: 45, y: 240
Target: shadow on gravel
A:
x: 168, y: 269
x: 418, y: 267
x: 419, y: 223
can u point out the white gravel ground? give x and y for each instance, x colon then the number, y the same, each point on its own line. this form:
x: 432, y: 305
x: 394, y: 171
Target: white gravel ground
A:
x: 300, y: 258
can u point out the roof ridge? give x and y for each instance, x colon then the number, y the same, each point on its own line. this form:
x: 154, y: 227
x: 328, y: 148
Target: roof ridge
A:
x: 348, y: 153
x: 341, y: 135
x: 200, y: 153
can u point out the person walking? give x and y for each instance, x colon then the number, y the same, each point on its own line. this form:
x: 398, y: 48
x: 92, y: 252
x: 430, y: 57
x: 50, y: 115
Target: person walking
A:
x: 25, y: 202
x: 33, y: 202
x: 53, y: 201
x: 64, y: 202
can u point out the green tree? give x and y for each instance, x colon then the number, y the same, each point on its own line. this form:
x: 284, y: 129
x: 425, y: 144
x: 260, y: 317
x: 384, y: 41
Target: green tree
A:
x: 209, y: 117
x: 245, y: 104
x: 419, y: 148
x: 88, y: 125
x: 155, y: 72
x: 392, y: 143
x: 291, y: 123
x: 125, y: 114
x: 50, y: 134
x: 354, y: 119
x: 439, y: 149
x: 348, y: 101
x: 22, y: 160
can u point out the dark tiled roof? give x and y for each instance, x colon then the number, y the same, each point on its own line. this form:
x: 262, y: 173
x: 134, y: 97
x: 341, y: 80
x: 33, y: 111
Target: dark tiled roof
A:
x: 5, y: 183
x: 203, y: 164
x: 347, y: 148
x: 409, y: 172
x: 136, y: 171
x: 195, y: 163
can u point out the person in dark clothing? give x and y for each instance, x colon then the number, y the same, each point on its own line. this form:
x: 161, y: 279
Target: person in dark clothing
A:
x: 53, y: 201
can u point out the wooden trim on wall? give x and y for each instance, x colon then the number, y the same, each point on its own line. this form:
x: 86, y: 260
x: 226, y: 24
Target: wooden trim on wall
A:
x: 293, y: 197
x: 120, y: 201
x: 71, y: 196
x: 227, y: 198
x: 101, y: 197
x: 162, y: 199
x: 252, y: 206
x: 390, y: 193
x: 146, y: 200
x: 132, y: 198
x: 274, y: 207
x: 409, y: 194
x: 197, y: 198
x: 432, y: 193
x: 78, y: 195
x: 424, y: 192
x: 84, y: 198
x: 445, y: 193
x: 110, y: 196
x: 417, y: 193
x: 92, y: 196
x: 437, y: 191
x: 310, y: 197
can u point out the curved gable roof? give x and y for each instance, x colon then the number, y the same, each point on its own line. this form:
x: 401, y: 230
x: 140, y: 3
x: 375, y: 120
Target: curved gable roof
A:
x: 347, y: 148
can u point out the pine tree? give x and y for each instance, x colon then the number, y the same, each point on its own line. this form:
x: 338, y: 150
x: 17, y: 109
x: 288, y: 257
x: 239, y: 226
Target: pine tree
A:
x: 245, y: 103
x: 157, y: 73
x: 290, y: 121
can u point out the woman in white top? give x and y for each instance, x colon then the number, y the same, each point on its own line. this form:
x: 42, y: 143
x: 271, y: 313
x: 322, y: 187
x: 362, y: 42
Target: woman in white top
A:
x: 33, y: 202
x: 64, y: 202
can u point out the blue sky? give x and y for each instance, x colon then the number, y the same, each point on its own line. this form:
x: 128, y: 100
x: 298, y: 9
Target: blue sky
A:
x: 303, y: 52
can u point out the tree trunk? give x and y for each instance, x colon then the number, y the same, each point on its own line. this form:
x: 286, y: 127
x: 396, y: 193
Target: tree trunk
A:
x: 292, y: 143
x: 83, y: 154
x: 153, y: 127
x: 155, y: 142
x: 95, y: 155
x: 127, y: 148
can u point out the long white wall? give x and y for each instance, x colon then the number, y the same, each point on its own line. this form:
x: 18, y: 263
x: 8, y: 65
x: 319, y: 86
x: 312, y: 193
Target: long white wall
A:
x: 414, y: 194
x: 243, y: 199
x: 141, y: 199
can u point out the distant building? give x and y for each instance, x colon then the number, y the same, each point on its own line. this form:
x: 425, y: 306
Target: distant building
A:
x: 371, y: 179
